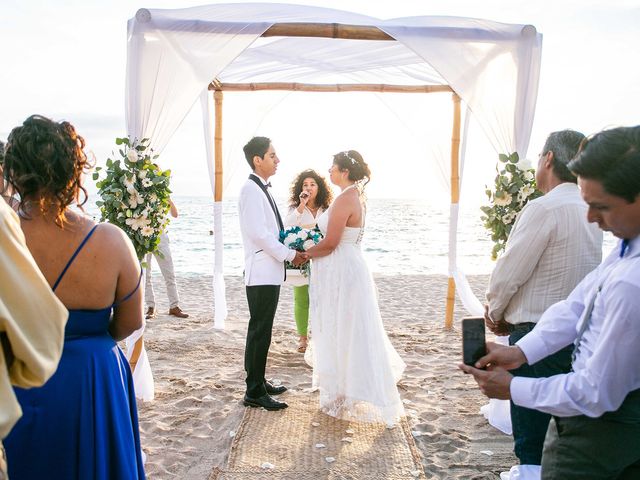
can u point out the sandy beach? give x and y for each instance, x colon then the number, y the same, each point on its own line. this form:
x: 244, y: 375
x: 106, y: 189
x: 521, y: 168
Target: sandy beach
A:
x: 199, y: 379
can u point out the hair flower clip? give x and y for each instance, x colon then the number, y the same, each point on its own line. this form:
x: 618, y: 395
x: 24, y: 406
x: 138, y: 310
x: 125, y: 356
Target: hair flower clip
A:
x: 346, y: 154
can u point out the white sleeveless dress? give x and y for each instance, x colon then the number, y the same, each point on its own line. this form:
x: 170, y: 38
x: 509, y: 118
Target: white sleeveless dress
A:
x: 355, y: 367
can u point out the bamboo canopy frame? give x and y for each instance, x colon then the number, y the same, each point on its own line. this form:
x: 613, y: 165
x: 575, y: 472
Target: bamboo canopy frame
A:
x: 350, y: 32
x: 173, y: 55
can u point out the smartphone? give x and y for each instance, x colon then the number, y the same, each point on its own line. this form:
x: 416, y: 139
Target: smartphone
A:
x: 474, y: 344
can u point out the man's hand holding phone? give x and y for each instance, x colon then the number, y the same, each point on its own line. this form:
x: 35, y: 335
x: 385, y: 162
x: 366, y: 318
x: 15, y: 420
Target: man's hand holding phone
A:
x: 502, y: 356
x: 495, y: 381
x: 473, y: 340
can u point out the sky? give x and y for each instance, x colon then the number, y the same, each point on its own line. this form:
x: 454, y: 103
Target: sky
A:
x: 66, y: 59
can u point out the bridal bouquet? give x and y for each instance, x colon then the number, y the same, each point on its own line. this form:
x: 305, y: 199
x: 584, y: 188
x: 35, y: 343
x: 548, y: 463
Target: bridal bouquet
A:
x: 515, y: 185
x: 135, y: 194
x: 300, y: 239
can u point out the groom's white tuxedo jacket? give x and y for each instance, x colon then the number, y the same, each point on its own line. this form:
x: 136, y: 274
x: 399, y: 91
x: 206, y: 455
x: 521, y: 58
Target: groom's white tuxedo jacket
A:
x: 264, y: 255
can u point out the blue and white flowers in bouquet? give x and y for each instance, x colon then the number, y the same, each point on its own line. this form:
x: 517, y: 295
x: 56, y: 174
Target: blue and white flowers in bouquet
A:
x: 300, y: 239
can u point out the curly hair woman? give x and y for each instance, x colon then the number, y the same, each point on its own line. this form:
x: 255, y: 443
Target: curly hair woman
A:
x: 83, y: 422
x: 310, y: 196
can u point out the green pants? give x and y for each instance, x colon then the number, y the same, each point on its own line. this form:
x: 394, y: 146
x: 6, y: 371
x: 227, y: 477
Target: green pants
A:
x: 301, y: 308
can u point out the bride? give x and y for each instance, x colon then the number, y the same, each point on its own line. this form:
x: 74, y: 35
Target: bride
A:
x: 355, y: 367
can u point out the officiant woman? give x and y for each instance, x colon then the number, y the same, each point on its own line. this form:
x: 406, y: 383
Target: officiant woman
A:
x: 310, y: 197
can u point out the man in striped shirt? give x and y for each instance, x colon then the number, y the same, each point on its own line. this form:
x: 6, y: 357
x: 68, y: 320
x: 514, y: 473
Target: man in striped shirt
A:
x: 551, y: 248
x: 595, y: 431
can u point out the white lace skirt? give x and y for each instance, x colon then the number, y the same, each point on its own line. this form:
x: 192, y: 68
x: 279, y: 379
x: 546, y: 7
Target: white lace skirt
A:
x: 355, y: 367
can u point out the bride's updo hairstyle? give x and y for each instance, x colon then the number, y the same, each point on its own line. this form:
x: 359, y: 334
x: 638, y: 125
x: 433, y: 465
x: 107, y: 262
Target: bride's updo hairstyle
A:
x: 353, y: 161
x: 44, y: 163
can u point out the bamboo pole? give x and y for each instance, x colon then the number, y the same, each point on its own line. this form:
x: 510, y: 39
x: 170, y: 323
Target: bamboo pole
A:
x: 327, y: 30
x: 218, y: 87
x: 331, y: 30
x: 217, y: 146
x: 135, y: 355
x: 347, y: 87
x: 368, y: 32
x: 455, y: 197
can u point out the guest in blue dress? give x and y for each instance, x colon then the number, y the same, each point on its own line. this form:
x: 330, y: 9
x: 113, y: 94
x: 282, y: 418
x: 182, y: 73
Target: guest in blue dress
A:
x: 83, y: 423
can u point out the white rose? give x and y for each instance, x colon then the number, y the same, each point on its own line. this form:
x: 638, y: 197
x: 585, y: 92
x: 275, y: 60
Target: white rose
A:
x: 308, y: 244
x: 524, y: 164
x: 142, y: 174
x: 528, y: 176
x: 290, y: 238
x: 302, y: 235
x: 132, y: 155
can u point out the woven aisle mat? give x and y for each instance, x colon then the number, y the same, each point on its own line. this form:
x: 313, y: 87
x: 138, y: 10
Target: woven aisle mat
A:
x: 287, y: 440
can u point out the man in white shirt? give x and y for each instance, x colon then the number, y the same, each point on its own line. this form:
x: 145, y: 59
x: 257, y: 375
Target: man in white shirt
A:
x: 264, y: 271
x: 551, y: 248
x: 165, y: 262
x: 595, y: 431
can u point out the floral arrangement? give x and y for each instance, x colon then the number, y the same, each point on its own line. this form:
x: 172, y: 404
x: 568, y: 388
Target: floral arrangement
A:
x: 515, y: 185
x: 300, y: 239
x: 135, y: 194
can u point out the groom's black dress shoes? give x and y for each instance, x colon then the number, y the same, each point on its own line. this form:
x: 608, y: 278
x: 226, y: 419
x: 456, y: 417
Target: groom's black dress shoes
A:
x: 265, y: 401
x: 273, y: 389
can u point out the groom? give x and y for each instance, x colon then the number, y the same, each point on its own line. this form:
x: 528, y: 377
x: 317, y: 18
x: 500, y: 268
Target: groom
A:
x: 264, y: 272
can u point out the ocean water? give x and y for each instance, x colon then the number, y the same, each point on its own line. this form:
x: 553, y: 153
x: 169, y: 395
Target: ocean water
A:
x: 402, y: 236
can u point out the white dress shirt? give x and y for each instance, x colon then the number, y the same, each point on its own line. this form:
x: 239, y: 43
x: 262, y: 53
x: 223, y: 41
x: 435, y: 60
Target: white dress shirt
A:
x: 605, y: 369
x: 550, y: 249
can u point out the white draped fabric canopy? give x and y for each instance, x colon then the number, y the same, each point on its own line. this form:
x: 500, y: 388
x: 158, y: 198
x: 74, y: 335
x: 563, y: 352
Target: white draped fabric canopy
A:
x: 174, y: 55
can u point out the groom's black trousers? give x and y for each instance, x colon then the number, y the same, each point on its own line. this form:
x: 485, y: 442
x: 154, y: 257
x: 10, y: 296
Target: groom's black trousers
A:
x: 263, y: 302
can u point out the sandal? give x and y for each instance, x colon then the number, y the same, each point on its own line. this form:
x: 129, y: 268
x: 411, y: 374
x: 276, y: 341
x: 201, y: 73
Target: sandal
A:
x: 302, y: 344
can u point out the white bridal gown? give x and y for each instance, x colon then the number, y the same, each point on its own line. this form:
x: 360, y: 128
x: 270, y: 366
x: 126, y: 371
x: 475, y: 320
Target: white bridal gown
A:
x: 355, y: 367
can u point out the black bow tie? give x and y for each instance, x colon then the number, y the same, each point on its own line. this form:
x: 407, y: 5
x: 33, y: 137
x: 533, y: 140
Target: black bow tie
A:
x: 268, y: 184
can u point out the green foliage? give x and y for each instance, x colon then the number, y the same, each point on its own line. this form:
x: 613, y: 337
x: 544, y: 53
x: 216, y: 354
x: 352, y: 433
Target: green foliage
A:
x: 514, y: 186
x: 135, y: 194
